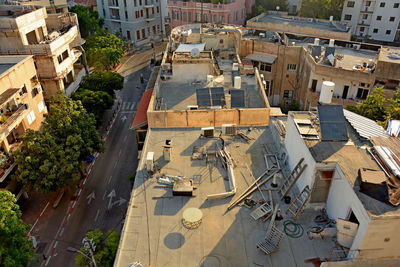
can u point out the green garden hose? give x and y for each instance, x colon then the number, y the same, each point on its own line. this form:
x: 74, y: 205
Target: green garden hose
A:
x: 292, y: 229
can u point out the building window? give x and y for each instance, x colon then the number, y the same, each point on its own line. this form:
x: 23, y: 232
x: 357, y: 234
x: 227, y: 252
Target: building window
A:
x: 368, y: 3
x: 362, y: 29
x: 396, y: 5
x: 314, y: 85
x: 126, y: 15
x: 375, y: 30
x: 31, y: 117
x: 350, y: 4
x: 135, y: 3
x: 62, y: 57
x: 265, y: 67
x: 154, y: 30
x: 291, y: 67
x: 362, y: 93
x: 347, y: 17
x: 143, y: 33
x: 365, y: 16
x: 34, y: 92
x: 288, y: 94
x: 41, y: 106
x: 137, y: 35
x: 140, y: 2
x: 382, y: 4
x: 141, y: 13
x: 379, y: 18
x: 124, y: 3
x: 388, y: 32
x: 128, y: 35
x: 391, y: 18
x: 158, y: 9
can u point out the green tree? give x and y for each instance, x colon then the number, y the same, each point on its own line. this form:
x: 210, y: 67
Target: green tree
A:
x: 321, y: 9
x: 106, y: 249
x: 104, y: 50
x: 68, y: 120
x: 103, y: 81
x: 262, y: 6
x: 373, y: 107
x: 393, y: 110
x: 15, y: 249
x: 95, y: 102
x: 89, y: 21
x: 51, y: 159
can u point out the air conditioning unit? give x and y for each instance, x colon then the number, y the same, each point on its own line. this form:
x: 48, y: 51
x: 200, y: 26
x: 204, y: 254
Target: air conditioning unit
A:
x: 150, y: 162
x: 229, y: 129
x: 208, y: 132
x: 193, y: 107
x: 356, y: 46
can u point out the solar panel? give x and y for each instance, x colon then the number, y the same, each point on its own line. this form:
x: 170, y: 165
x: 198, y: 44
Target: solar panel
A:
x: 203, y: 97
x: 329, y: 51
x: 237, y: 99
x: 213, y: 96
x: 316, y: 50
x: 217, y: 96
x: 332, y: 123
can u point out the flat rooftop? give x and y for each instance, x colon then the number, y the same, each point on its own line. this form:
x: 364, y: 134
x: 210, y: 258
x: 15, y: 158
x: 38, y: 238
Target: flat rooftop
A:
x: 351, y: 156
x: 390, y: 54
x: 302, y: 22
x: 178, y: 95
x: 9, y: 62
x: 349, y: 58
x: 154, y: 235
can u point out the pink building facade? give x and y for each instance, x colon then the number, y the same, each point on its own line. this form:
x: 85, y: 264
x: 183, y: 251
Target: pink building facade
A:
x: 186, y: 12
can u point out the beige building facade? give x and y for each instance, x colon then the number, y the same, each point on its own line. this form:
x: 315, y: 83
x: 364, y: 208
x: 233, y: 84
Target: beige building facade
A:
x: 22, y: 107
x: 53, y: 40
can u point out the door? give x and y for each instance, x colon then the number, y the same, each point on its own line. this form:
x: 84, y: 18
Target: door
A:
x: 345, y: 92
x: 346, y: 232
x: 321, y: 186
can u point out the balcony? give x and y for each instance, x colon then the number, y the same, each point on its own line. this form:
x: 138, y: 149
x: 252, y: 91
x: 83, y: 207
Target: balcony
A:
x: 367, y: 10
x: 11, y: 118
x: 79, y: 73
x: 148, y: 3
x: 150, y: 18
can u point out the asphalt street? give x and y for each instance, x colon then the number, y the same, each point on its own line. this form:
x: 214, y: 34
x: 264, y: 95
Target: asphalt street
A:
x: 102, y: 199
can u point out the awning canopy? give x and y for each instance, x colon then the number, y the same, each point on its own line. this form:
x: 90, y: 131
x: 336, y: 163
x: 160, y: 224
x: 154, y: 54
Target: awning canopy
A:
x: 182, y: 48
x: 262, y: 57
x: 140, y: 119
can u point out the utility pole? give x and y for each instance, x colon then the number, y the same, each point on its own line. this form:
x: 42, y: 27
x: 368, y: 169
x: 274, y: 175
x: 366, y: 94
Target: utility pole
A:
x: 89, y: 245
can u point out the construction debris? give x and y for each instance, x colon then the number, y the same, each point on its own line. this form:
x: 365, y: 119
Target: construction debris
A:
x: 169, y: 179
x: 245, y: 137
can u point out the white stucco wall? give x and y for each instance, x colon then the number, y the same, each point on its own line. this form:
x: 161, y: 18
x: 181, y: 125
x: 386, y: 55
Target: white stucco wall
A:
x: 297, y: 149
x: 190, y: 72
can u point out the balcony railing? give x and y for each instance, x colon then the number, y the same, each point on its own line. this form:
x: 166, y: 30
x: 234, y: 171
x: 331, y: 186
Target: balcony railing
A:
x: 13, y: 117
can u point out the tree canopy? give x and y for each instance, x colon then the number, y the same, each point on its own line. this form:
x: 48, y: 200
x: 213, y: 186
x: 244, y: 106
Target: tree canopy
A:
x: 50, y: 159
x: 321, y: 9
x: 378, y: 108
x: 89, y: 21
x: 103, y: 81
x: 15, y: 248
x: 95, y: 102
x: 106, y: 249
x: 104, y: 50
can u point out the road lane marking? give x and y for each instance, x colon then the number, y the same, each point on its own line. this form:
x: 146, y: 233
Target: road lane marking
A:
x: 133, y: 106
x: 62, y: 231
x: 48, y: 260
x: 119, y: 153
x: 105, y: 193
x: 55, y: 245
x: 109, y: 180
x: 125, y: 138
x: 97, y: 215
x: 69, y: 216
x: 115, y: 164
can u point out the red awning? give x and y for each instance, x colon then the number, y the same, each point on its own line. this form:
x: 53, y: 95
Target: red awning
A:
x: 140, y: 119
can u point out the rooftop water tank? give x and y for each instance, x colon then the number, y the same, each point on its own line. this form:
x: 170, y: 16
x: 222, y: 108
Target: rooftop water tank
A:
x: 237, y: 82
x: 326, y: 92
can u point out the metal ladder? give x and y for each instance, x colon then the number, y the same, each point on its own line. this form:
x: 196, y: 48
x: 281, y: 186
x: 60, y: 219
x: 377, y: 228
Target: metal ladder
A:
x: 297, y: 205
x: 293, y: 177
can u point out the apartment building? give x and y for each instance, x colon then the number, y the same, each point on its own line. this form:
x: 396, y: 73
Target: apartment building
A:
x: 377, y: 20
x: 229, y: 12
x: 22, y: 107
x: 295, y: 62
x: 52, y: 6
x: 53, y: 40
x: 138, y: 21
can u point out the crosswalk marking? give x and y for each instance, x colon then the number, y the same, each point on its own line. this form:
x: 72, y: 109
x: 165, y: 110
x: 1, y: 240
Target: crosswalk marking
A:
x: 128, y: 106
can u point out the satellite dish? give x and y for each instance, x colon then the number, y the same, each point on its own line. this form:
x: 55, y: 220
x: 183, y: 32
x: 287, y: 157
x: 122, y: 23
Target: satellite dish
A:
x: 195, y: 52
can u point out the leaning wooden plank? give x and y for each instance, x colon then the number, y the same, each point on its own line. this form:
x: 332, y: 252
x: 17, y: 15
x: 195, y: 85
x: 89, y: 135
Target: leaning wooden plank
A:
x: 272, y: 222
x: 251, y: 191
x: 220, y: 195
x: 251, y: 187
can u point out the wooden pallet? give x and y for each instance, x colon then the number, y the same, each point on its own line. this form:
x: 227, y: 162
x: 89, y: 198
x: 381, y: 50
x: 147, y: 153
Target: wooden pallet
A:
x: 261, y: 211
x: 271, y: 242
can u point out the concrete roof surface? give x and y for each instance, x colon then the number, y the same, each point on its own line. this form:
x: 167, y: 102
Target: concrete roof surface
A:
x: 153, y: 233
